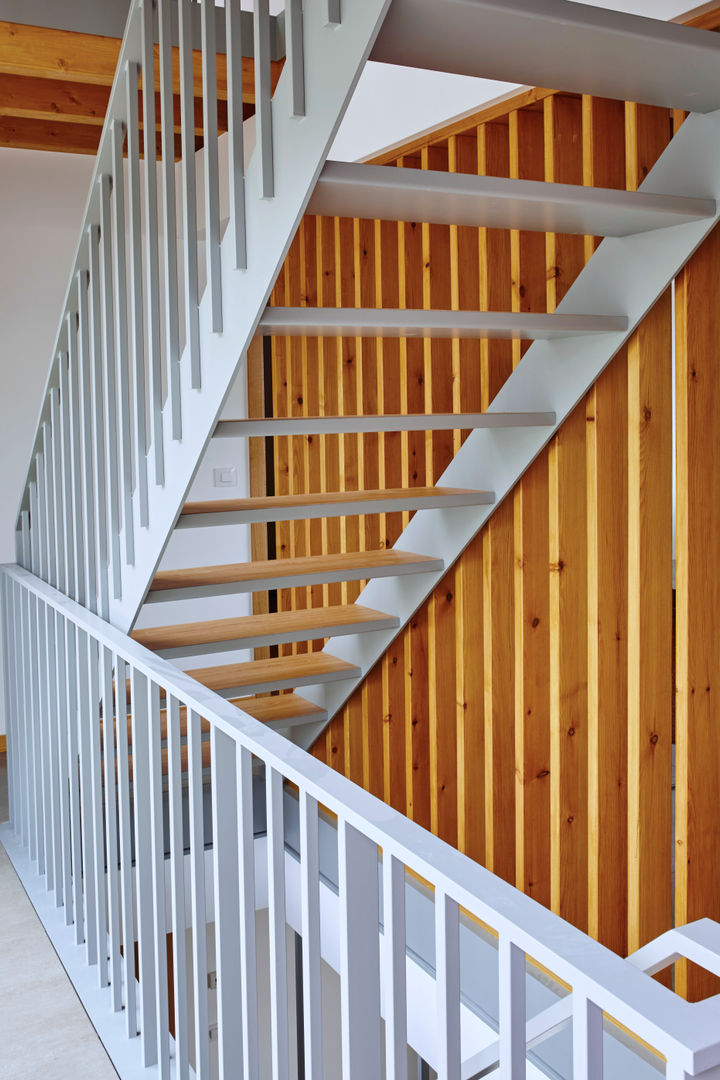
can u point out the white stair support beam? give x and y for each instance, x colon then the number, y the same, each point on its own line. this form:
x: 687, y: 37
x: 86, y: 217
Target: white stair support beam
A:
x: 404, y: 323
x: 122, y: 354
x: 137, y: 334
x: 177, y: 877
x: 311, y: 939
x: 187, y: 137
x: 170, y: 259
x: 226, y: 894
x: 382, y: 192
x: 332, y: 70
x: 197, y: 894
x: 394, y: 967
x: 246, y: 872
x: 344, y: 425
x: 233, y: 39
x: 127, y: 891
x: 263, y: 99
x: 153, y: 749
x: 359, y: 955
x: 257, y: 641
x: 461, y: 499
x: 212, y: 176
x: 571, y: 47
x: 447, y: 982
x: 277, y: 923
x: 295, y: 54
x: 152, y: 253
x: 105, y: 386
x: 626, y: 274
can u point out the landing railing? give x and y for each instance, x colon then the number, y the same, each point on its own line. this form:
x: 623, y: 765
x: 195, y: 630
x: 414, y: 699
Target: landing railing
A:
x: 132, y: 308
x: 95, y: 722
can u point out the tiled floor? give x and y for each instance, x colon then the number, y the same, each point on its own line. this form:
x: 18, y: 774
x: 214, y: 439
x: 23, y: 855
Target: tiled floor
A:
x: 44, y: 1032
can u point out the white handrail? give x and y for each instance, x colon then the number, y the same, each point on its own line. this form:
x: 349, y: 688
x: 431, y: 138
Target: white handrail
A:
x: 687, y: 1035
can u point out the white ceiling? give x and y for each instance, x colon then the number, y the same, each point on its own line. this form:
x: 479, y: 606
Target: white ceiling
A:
x: 391, y: 105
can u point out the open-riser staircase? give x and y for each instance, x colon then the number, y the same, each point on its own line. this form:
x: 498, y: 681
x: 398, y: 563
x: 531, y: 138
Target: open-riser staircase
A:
x: 128, y: 413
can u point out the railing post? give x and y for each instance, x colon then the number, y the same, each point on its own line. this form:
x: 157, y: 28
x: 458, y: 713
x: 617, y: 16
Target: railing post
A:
x: 311, y: 941
x: 177, y: 877
x: 167, y: 136
x: 233, y: 45
x: 190, y: 258
x: 359, y: 954
x: 210, y: 151
x: 276, y: 919
x: 587, y: 1039
x: 511, y: 995
x: 447, y: 980
x: 197, y: 888
x: 263, y: 99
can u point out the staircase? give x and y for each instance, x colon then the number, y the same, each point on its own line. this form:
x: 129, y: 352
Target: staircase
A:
x: 143, y: 366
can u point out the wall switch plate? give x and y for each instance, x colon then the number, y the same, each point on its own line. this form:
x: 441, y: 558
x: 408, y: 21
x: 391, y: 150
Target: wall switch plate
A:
x: 225, y: 477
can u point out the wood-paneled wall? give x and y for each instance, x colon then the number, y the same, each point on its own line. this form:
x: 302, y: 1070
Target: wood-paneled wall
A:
x: 525, y: 714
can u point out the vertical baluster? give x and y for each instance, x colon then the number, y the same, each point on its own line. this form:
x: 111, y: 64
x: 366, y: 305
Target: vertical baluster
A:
x: 121, y: 341
x: 394, y: 967
x: 126, y: 853
x: 33, y: 668
x: 95, y: 832
x: 587, y: 1039
x: 111, y: 825
x: 105, y: 385
x: 263, y: 99
x: 310, y: 904
x: 447, y: 983
x: 276, y: 917
x: 63, y: 722
x: 177, y: 877
x: 52, y: 757
x: 144, y: 866
x: 197, y: 891
x: 25, y: 704
x: 296, y: 57
x: 334, y: 13
x: 152, y: 262
x: 172, y: 348
x: 57, y: 486
x: 74, y: 409
x: 210, y: 150
x: 233, y: 46
x: 99, y: 398
x: 73, y: 715
x: 40, y: 526
x: 49, y: 501
x: 66, y: 475
x: 227, y: 893
x: 246, y: 869
x: 84, y: 400
x: 9, y: 670
x: 187, y: 111
x: 511, y: 996
x: 158, y: 879
x: 43, y: 645
x: 86, y: 795
x: 137, y: 336
x: 359, y: 954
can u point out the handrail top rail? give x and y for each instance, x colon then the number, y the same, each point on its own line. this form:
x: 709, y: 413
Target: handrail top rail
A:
x: 685, y: 1031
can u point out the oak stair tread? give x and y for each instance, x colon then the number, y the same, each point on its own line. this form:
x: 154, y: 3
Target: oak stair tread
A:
x: 313, y: 567
x: 277, y: 673
x: 280, y: 626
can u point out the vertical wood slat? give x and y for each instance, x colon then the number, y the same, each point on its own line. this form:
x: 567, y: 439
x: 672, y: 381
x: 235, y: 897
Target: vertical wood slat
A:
x: 263, y: 99
x: 311, y: 944
x: 234, y: 48
x: 137, y: 336
x: 359, y: 957
x: 226, y: 892
x: 210, y: 150
x: 177, y: 874
x: 170, y: 254
x: 152, y: 254
x: 187, y: 137
x: 122, y: 353
x: 697, y: 588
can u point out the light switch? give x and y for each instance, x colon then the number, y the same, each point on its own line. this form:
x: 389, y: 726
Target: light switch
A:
x: 225, y: 477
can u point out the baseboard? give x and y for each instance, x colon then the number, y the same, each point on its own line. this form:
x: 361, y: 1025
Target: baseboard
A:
x: 3, y: 744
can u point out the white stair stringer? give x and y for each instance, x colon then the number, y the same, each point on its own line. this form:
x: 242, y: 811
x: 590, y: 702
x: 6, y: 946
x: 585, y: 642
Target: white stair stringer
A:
x: 625, y: 275
x: 334, y: 58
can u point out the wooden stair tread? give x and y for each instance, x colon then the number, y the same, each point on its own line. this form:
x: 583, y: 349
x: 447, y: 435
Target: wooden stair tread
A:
x: 329, y: 498
x: 284, y: 568
x: 314, y: 621
x: 313, y: 665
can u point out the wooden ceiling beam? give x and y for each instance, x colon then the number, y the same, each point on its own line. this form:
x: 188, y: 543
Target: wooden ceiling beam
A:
x: 38, y: 53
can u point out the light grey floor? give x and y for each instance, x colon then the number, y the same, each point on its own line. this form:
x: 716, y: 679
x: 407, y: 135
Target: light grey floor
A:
x: 44, y: 1031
